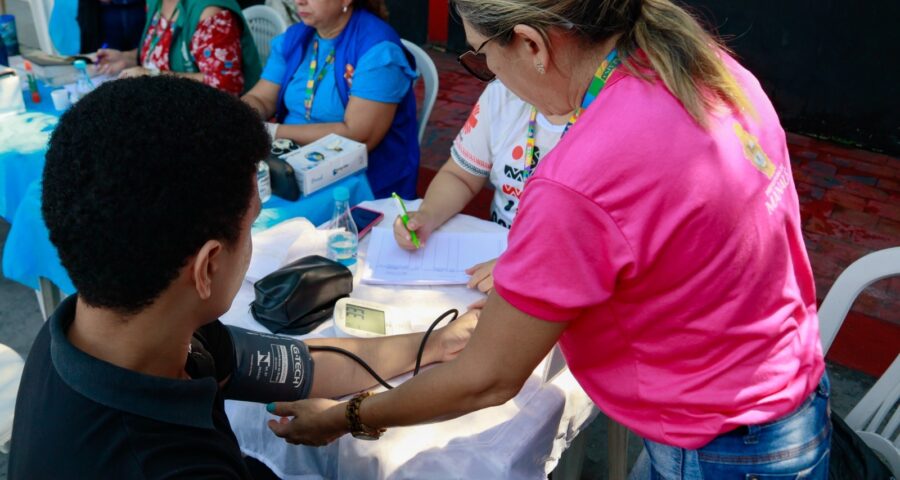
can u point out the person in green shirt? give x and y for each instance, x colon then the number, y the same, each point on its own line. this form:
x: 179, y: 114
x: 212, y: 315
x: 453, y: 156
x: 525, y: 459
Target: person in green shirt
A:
x: 205, y: 40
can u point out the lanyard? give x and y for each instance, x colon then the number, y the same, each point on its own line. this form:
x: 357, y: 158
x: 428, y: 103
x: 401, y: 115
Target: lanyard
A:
x: 157, y: 35
x: 601, y: 76
x: 314, y: 80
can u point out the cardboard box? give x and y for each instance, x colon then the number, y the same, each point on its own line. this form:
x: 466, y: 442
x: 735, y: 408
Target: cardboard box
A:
x: 326, y: 161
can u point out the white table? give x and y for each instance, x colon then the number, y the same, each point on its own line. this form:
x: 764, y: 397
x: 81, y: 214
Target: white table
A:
x: 524, y: 438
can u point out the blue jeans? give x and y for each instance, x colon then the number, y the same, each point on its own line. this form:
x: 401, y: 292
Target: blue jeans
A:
x: 795, y: 446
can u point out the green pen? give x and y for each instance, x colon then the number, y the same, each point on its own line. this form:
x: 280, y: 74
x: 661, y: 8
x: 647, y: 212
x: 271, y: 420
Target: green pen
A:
x: 405, y: 219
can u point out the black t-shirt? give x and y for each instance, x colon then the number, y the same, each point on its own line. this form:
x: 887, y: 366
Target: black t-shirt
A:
x: 80, y: 417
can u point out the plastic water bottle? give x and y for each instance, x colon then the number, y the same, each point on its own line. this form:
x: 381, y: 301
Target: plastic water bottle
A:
x: 344, y: 239
x: 263, y: 182
x: 83, y: 85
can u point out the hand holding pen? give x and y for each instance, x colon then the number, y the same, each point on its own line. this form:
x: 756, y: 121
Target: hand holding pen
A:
x: 412, y: 229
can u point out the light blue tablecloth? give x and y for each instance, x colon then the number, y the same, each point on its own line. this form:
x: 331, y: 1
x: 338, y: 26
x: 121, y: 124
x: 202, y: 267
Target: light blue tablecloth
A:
x: 28, y: 253
x: 23, y: 143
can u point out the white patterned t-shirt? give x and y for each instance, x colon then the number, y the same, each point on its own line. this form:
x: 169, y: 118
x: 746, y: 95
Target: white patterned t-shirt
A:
x: 492, y: 144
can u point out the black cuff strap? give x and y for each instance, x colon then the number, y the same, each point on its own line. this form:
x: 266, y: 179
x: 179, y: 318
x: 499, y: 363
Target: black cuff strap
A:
x: 268, y: 368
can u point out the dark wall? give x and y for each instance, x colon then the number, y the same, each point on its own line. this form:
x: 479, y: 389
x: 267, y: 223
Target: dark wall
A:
x: 829, y: 66
x: 409, y: 18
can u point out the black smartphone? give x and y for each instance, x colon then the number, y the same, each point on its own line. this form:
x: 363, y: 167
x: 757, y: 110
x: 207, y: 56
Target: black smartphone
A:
x: 365, y: 219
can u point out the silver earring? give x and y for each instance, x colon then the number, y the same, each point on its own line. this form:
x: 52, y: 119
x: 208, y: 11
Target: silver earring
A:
x: 540, y: 68
x: 344, y: 10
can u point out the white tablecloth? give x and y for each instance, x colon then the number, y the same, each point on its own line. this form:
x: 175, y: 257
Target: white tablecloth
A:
x: 523, y: 438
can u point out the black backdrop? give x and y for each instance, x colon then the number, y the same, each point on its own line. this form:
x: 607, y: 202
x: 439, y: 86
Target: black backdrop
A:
x: 409, y: 18
x: 830, y: 66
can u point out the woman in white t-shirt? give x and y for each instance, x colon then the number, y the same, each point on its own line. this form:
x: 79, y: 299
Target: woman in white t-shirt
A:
x: 493, y: 143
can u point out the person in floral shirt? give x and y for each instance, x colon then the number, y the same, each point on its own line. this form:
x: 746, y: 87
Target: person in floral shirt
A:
x: 205, y: 40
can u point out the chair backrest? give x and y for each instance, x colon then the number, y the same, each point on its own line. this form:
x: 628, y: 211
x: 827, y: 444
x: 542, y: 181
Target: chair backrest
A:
x: 869, y: 418
x: 286, y: 9
x: 265, y: 24
x: 428, y: 73
x: 859, y: 275
x: 11, y: 365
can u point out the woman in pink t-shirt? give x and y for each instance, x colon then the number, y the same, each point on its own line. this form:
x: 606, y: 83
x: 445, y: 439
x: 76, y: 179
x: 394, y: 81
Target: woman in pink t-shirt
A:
x: 659, y: 243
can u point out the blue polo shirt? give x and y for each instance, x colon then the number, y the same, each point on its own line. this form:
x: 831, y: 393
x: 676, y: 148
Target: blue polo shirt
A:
x: 382, y: 75
x: 80, y: 417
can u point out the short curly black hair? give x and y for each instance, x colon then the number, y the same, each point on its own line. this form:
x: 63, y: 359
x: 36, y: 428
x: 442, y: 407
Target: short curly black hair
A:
x: 139, y: 175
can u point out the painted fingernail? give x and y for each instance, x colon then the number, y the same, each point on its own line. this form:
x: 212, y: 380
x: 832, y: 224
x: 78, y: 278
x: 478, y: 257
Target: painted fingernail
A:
x: 270, y: 408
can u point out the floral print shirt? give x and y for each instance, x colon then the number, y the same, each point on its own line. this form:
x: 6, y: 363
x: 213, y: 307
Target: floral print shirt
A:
x: 215, y: 46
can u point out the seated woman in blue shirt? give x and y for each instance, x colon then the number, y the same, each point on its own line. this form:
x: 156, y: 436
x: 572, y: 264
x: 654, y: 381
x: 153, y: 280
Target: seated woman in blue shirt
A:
x: 343, y: 70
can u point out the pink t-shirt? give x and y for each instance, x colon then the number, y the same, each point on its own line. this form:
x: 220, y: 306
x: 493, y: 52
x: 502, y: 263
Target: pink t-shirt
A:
x: 675, y: 254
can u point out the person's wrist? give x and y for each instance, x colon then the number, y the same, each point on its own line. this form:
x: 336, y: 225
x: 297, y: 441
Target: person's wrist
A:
x: 354, y: 421
x: 434, y: 348
x: 337, y: 418
x: 424, y: 217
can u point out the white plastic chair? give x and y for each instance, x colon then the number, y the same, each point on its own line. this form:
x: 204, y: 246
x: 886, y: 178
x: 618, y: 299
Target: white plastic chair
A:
x: 286, y: 9
x: 11, y: 365
x: 428, y: 73
x: 265, y: 24
x: 868, y: 416
x: 40, y: 13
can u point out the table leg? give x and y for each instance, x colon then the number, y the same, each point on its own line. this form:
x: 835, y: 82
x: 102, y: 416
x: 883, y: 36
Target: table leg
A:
x: 617, y: 438
x: 572, y: 460
x: 49, y: 297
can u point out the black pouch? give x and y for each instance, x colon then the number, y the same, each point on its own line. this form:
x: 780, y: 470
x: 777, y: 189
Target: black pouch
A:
x: 298, y: 297
x: 281, y: 173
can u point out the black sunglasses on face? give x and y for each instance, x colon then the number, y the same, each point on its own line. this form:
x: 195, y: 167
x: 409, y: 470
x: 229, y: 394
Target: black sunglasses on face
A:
x: 476, y: 63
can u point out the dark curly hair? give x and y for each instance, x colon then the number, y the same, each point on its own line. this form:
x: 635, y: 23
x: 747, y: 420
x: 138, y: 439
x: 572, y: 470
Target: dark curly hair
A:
x: 140, y: 174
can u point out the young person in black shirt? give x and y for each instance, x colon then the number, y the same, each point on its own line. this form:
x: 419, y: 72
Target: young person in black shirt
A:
x: 149, y: 192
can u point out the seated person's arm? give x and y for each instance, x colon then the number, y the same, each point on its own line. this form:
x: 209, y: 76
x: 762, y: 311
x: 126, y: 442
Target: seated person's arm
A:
x: 449, y: 192
x: 365, y: 121
x: 263, y: 98
x: 225, y: 352
x: 382, y: 79
x: 336, y: 375
x: 222, y: 36
x: 112, y: 62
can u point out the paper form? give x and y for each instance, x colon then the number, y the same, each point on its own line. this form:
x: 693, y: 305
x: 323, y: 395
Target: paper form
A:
x: 442, y: 261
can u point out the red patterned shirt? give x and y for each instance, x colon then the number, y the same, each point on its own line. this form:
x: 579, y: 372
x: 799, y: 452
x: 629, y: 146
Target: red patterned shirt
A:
x: 215, y: 46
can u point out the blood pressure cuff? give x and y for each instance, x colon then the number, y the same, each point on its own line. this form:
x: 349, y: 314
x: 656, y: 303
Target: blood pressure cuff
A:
x: 259, y: 367
x: 298, y: 297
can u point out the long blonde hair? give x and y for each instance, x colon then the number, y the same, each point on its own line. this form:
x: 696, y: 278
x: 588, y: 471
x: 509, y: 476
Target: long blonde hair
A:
x: 676, y: 48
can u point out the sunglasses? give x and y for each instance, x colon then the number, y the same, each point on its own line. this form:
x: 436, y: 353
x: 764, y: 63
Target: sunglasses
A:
x: 475, y: 62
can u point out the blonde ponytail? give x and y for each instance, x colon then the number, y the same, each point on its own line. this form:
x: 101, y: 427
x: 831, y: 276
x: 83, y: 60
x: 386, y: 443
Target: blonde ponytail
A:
x: 656, y: 36
x: 684, y: 56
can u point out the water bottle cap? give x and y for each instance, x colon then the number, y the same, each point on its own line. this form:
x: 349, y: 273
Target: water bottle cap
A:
x: 341, y: 194
x: 80, y: 64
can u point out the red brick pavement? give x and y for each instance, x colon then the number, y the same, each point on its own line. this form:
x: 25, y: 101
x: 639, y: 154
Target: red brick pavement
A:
x: 849, y: 203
